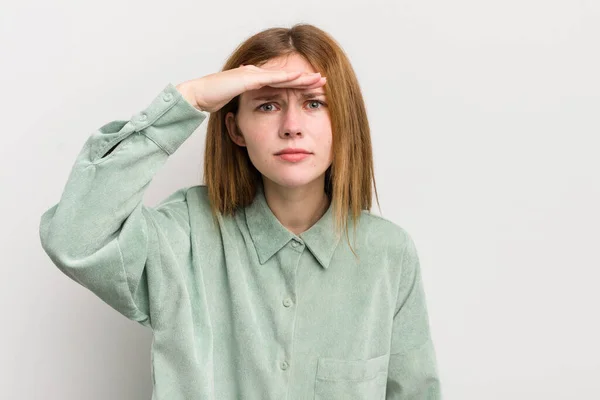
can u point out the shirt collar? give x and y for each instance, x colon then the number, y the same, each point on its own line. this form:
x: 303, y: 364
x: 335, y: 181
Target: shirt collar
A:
x: 269, y: 235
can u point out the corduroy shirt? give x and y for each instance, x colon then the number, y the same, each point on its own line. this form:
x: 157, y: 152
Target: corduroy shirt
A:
x: 242, y: 309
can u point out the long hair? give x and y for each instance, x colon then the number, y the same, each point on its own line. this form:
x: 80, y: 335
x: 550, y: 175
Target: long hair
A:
x: 229, y: 174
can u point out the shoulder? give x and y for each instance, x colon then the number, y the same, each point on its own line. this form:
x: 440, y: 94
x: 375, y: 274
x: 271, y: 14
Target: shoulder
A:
x: 201, y: 190
x: 197, y: 195
x: 199, y: 202
x: 189, y: 198
x: 384, y: 234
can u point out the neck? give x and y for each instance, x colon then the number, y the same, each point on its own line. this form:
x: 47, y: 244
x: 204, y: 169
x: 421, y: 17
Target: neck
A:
x: 297, y: 208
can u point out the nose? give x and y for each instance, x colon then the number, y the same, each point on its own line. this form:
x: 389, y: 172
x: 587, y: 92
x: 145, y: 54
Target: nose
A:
x: 291, y: 123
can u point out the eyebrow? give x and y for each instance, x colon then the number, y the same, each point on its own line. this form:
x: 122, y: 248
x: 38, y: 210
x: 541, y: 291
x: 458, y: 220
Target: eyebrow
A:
x: 278, y: 96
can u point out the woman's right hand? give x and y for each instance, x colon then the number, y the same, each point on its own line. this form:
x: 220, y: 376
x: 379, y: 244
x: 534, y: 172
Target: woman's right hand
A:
x: 211, y: 92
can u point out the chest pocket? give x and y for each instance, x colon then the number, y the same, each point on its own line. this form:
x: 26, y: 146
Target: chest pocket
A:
x: 351, y: 379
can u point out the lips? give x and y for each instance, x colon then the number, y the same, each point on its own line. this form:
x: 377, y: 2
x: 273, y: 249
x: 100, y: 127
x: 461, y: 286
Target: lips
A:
x: 293, y: 157
x: 292, y: 151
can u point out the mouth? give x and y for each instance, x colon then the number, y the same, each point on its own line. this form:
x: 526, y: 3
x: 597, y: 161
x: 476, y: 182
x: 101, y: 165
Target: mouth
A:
x: 292, y: 151
x: 293, y: 157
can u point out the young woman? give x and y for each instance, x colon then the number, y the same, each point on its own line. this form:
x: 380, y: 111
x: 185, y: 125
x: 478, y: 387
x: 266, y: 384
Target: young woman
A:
x: 245, y: 282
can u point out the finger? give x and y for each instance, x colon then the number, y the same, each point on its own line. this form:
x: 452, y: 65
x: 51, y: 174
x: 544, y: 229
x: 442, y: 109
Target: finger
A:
x: 308, y: 83
x: 288, y: 76
x: 306, y: 79
x: 269, y: 78
x: 319, y: 83
x: 295, y: 77
x: 313, y: 86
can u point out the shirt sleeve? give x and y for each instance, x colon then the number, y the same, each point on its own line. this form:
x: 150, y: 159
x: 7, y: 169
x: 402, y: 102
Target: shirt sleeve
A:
x: 99, y: 233
x: 412, y: 373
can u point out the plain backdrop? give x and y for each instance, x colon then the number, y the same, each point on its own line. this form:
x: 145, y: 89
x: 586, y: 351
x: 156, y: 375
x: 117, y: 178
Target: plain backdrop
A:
x: 485, y: 126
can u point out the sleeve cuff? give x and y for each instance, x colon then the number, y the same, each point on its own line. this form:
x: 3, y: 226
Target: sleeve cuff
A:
x: 169, y: 119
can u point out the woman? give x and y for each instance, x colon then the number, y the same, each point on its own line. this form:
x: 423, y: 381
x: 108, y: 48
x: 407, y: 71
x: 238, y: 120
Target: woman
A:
x: 244, y: 281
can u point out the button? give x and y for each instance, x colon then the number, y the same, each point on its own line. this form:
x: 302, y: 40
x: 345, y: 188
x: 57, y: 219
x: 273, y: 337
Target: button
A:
x: 294, y: 243
x: 168, y: 97
x: 143, y: 117
x: 287, y: 302
x: 284, y: 365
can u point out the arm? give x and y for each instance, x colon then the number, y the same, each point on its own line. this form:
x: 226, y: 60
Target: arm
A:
x: 99, y: 233
x: 412, y: 373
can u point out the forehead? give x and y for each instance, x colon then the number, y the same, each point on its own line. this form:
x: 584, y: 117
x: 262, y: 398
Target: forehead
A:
x: 292, y: 62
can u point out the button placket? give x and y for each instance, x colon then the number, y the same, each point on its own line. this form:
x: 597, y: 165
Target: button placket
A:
x: 291, y: 256
x: 296, y: 245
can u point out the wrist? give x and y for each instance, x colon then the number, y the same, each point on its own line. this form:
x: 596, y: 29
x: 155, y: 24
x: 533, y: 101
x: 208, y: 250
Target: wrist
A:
x: 188, y: 94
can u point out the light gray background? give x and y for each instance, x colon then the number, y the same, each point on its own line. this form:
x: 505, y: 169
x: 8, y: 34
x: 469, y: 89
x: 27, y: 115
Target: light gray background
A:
x: 485, y: 127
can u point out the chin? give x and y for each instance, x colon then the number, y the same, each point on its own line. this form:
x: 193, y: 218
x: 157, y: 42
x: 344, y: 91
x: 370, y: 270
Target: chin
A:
x: 292, y: 181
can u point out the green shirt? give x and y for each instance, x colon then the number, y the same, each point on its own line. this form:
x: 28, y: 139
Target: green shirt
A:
x: 245, y: 309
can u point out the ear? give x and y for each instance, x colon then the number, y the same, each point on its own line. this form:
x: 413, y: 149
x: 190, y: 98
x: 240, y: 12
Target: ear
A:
x: 233, y: 131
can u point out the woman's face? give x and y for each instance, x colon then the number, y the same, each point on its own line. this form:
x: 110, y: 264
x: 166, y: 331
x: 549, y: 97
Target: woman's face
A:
x: 286, y: 119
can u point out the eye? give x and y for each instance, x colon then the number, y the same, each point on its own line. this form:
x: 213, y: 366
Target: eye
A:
x: 317, y: 102
x: 262, y: 105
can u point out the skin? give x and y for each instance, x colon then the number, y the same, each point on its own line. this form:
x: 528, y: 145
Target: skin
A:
x: 294, y: 190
